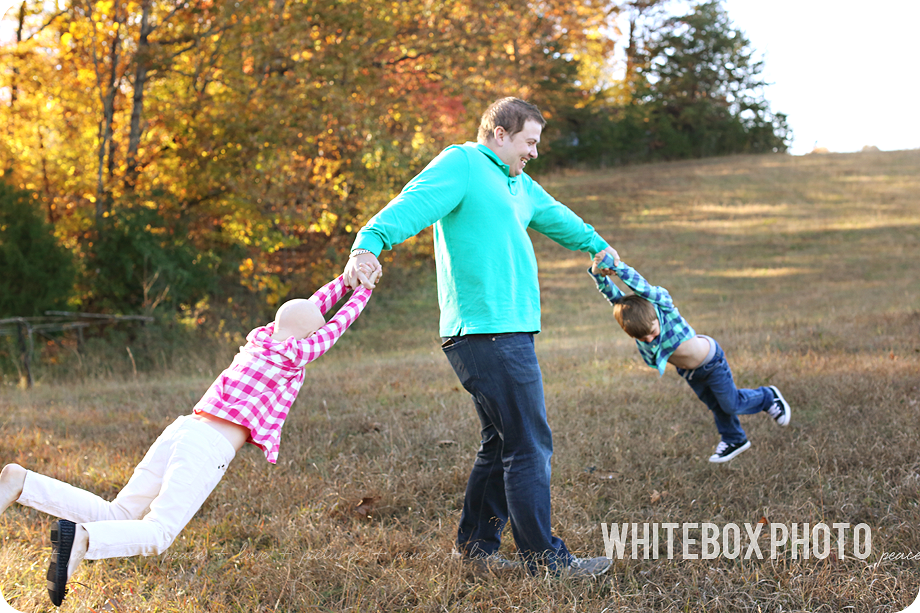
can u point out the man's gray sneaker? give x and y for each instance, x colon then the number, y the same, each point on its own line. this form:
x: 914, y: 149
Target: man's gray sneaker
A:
x: 490, y: 565
x: 587, y: 568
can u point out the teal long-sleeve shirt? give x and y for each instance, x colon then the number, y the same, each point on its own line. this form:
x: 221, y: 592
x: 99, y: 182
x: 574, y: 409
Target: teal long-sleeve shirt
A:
x: 486, y: 265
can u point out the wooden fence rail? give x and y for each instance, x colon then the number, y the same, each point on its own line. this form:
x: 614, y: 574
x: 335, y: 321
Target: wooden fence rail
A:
x: 24, y: 329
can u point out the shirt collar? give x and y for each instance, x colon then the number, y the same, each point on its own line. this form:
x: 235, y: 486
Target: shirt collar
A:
x: 492, y: 156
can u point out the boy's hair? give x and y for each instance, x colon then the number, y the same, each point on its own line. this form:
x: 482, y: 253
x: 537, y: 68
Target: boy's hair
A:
x: 636, y: 315
x: 509, y: 113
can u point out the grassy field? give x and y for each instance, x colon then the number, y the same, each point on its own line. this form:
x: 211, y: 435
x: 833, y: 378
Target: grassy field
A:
x: 805, y: 269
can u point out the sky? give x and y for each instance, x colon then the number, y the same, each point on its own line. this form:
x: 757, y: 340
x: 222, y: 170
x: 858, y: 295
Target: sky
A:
x: 845, y: 72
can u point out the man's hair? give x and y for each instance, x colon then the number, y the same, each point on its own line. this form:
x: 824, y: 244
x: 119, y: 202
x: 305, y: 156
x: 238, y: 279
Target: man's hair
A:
x: 509, y: 113
x: 636, y: 315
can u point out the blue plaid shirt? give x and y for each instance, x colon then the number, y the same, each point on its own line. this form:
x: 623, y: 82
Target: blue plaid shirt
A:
x: 674, y: 328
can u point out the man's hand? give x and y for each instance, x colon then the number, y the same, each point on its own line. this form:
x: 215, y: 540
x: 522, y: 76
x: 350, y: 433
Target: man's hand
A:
x: 600, y: 257
x: 366, y: 275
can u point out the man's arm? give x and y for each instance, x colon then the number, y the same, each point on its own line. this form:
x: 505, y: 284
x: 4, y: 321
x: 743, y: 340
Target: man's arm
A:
x: 431, y: 195
x: 560, y: 223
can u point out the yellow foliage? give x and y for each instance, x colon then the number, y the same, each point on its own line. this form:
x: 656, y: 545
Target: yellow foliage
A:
x: 325, y: 223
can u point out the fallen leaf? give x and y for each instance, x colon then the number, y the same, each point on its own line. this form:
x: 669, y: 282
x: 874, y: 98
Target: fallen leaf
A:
x: 366, y: 506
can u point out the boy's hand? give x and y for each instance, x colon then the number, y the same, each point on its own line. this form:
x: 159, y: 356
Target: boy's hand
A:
x: 596, y: 267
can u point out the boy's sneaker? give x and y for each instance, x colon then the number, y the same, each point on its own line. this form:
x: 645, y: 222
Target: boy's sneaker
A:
x: 779, y: 410
x: 588, y: 568
x: 725, y: 452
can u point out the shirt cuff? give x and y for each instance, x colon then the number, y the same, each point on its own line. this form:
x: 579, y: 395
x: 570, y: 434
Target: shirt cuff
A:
x: 369, y: 241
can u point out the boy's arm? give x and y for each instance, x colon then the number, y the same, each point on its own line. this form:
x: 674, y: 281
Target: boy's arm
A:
x: 323, y: 339
x: 605, y: 286
x: 637, y: 283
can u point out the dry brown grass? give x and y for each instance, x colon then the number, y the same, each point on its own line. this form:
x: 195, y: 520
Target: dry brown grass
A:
x: 806, y: 270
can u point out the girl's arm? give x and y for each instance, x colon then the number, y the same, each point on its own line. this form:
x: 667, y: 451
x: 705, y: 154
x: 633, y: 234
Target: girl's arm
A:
x: 323, y: 339
x: 326, y: 296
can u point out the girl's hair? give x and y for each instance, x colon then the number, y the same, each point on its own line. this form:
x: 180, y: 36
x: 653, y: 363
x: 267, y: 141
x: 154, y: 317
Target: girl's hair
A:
x: 509, y: 113
x: 636, y: 315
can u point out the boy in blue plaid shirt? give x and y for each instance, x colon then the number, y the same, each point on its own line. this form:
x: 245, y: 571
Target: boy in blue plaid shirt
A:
x: 663, y: 336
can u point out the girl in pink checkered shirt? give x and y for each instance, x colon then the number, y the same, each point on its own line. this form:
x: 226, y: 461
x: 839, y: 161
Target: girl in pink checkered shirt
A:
x: 248, y: 402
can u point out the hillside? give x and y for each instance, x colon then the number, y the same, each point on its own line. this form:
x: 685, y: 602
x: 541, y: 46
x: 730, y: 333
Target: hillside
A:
x: 806, y: 271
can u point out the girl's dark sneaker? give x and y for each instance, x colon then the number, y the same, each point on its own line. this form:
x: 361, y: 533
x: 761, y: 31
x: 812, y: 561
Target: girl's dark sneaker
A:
x: 63, y: 532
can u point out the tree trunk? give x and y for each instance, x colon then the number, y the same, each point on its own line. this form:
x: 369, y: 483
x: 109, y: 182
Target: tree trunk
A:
x: 106, y: 132
x: 14, y: 87
x: 142, y: 58
x: 46, y: 181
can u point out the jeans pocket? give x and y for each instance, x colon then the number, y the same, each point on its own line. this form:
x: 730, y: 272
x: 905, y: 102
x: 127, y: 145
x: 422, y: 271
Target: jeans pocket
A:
x: 460, y: 355
x: 450, y: 342
x: 517, y: 355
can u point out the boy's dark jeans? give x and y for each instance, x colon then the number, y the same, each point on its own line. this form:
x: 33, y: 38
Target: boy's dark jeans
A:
x: 511, y: 475
x: 714, y: 385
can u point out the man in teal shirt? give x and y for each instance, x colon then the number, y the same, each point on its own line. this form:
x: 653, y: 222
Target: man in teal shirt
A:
x: 481, y: 204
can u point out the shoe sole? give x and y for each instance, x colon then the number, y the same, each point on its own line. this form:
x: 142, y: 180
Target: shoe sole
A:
x: 62, y: 535
x: 495, y: 567
x: 584, y: 574
x: 719, y: 459
x: 494, y: 570
x: 787, y: 412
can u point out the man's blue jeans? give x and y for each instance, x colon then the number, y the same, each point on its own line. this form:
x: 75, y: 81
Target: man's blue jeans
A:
x: 511, y: 475
x: 714, y: 385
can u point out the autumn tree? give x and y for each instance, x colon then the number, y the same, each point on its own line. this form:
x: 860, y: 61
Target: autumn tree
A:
x: 263, y: 133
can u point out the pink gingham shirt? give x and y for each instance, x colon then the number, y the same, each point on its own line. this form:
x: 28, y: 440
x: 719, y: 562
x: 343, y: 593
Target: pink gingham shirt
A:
x: 259, y: 387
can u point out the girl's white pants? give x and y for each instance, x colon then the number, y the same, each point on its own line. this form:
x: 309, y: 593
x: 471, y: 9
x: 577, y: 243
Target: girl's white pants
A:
x: 167, y: 488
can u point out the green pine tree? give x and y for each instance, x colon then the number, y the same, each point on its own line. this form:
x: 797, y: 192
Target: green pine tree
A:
x: 36, y: 273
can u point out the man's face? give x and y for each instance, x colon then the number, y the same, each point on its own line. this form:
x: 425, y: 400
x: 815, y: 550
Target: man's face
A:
x: 517, y: 150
